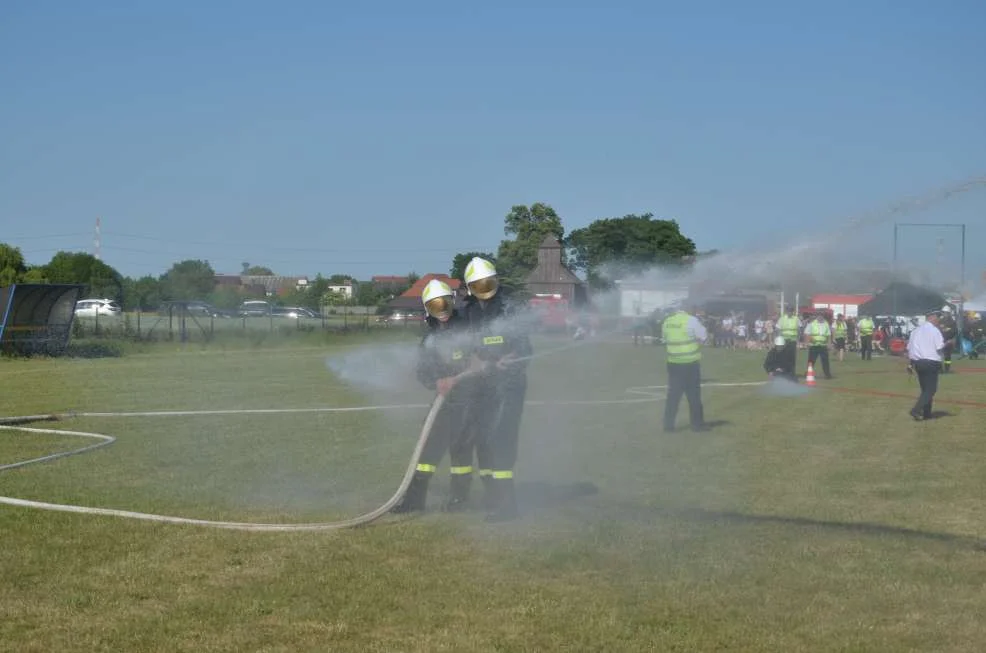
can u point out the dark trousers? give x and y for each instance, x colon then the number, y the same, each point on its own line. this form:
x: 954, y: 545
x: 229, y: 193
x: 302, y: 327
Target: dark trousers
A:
x: 499, y: 412
x: 816, y: 352
x: 947, y: 354
x: 791, y: 353
x: 684, y: 379
x: 927, y: 372
x: 866, y: 347
x: 455, y: 430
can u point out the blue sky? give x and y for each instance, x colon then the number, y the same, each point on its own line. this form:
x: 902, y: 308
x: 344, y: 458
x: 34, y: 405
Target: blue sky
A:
x: 384, y: 137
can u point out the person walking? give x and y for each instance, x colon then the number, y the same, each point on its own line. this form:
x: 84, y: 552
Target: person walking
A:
x: 840, y: 332
x: 683, y: 336
x: 819, y: 335
x: 866, y: 329
x: 924, y: 353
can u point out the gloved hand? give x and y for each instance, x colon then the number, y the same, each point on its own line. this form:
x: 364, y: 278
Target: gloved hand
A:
x: 445, y: 385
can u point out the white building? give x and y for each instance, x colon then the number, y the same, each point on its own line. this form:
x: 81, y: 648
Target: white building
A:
x: 847, y: 305
x: 640, y: 299
x: 345, y: 289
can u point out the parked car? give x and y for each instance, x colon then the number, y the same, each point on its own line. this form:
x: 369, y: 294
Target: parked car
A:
x: 92, y: 308
x: 295, y: 312
x: 254, y: 308
x: 205, y: 309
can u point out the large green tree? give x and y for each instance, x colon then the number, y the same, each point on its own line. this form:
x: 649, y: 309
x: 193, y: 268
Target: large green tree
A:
x: 188, y: 280
x: 12, y: 266
x: 141, y: 294
x: 528, y: 225
x: 459, y: 263
x: 100, y: 279
x: 257, y: 271
x: 626, y: 245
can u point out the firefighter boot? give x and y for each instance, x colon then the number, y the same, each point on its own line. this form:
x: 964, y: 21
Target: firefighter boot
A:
x: 417, y: 492
x: 505, y: 501
x: 458, y: 492
x: 489, y: 498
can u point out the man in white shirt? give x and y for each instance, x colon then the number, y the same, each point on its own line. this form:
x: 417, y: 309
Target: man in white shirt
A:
x: 924, y: 350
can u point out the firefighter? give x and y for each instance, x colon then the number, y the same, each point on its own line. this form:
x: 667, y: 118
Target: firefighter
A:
x: 444, y: 365
x: 819, y: 335
x: 866, y: 329
x: 789, y: 327
x: 840, y: 332
x: 505, y: 349
x: 950, y: 332
x: 776, y: 363
x: 683, y: 336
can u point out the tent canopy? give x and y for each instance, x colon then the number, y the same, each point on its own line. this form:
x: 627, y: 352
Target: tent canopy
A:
x: 903, y: 299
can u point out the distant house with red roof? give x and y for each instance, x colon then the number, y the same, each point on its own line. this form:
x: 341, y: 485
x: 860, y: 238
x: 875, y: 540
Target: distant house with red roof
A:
x: 410, y: 299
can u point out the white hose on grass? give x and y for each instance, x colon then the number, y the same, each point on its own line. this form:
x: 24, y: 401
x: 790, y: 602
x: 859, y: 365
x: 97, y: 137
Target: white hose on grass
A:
x: 649, y: 394
x: 242, y: 526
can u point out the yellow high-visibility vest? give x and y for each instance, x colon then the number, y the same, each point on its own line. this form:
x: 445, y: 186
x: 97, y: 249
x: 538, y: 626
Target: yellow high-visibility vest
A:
x: 788, y: 325
x: 841, y: 330
x: 819, y: 333
x: 681, y: 347
x: 866, y: 327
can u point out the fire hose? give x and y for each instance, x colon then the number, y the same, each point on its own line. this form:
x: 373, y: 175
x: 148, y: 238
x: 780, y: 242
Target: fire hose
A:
x: 18, y: 424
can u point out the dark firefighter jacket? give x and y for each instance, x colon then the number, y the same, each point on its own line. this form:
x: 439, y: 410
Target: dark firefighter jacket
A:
x: 948, y: 327
x: 497, y: 333
x: 776, y: 360
x: 445, y: 350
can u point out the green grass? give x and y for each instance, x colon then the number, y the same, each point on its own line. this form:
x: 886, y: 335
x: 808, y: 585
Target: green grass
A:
x: 825, y: 522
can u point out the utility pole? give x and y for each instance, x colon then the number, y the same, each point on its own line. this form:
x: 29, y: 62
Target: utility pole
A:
x: 96, y: 243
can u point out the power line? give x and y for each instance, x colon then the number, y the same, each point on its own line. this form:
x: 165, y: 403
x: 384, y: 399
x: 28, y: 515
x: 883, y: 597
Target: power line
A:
x: 292, y: 249
x: 71, y: 235
x: 333, y: 262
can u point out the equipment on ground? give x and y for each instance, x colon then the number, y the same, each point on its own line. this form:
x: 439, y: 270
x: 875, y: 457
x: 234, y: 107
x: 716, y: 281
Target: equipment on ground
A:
x: 37, y: 318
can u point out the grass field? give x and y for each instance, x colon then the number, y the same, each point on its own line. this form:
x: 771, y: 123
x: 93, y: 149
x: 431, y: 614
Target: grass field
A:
x: 823, y: 522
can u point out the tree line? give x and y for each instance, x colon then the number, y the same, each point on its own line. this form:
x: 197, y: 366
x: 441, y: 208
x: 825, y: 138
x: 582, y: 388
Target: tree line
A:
x: 602, y: 251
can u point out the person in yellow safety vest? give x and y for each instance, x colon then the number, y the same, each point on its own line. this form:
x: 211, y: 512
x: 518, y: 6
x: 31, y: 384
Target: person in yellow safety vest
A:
x: 866, y: 329
x: 788, y: 326
x: 819, y: 335
x: 840, y: 331
x: 683, y: 336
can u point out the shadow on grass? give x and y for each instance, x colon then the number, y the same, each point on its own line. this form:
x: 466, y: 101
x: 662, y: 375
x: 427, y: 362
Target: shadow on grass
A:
x: 864, y: 528
x: 861, y: 528
x: 535, y: 497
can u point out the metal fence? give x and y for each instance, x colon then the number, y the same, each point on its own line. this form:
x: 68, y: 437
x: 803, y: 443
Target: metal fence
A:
x: 184, y: 326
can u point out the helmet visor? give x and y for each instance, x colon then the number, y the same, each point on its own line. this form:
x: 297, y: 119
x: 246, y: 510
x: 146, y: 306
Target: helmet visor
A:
x: 484, y: 288
x: 439, y: 307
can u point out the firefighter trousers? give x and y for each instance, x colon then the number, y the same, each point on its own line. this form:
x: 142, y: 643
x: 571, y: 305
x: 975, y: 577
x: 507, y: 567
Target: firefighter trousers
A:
x: 501, y: 423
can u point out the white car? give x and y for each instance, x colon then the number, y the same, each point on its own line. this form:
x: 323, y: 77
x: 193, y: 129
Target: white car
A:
x: 93, y: 308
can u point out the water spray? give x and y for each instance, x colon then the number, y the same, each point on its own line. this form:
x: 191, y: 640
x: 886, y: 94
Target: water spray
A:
x: 795, y: 254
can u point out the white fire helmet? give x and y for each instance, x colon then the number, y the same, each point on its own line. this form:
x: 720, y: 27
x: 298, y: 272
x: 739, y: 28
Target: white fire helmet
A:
x: 438, y: 299
x: 481, y: 278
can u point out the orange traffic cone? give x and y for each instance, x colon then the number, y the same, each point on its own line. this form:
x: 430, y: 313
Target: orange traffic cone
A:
x: 810, y: 376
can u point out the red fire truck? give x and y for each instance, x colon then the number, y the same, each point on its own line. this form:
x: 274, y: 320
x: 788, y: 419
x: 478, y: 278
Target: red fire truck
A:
x: 552, y: 311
